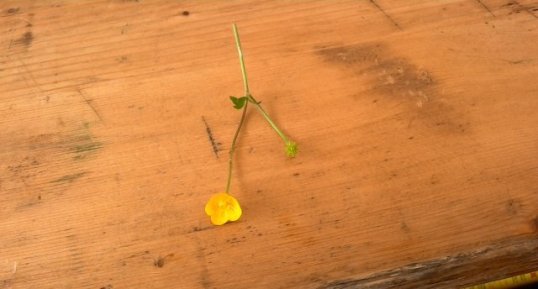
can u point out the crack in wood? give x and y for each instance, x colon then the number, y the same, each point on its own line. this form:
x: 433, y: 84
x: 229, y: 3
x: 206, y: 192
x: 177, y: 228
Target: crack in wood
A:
x: 516, y: 8
x: 485, y: 7
x: 214, y: 144
x: 500, y: 260
x: 89, y: 103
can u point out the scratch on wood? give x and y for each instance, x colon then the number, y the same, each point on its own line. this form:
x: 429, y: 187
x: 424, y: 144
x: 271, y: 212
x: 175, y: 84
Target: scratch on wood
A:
x: 199, y: 229
x: 214, y: 144
x: 485, y: 7
x: 500, y: 260
x: 69, y: 178
x: 386, y: 15
x: 32, y: 78
x: 83, y: 145
x: 89, y: 103
x: 204, y: 273
x: 519, y: 61
x: 86, y: 147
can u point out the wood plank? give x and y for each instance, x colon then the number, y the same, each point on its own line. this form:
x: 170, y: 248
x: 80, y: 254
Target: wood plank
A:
x: 416, y: 121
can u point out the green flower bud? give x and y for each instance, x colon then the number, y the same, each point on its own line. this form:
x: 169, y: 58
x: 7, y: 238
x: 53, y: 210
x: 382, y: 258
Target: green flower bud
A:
x: 291, y: 149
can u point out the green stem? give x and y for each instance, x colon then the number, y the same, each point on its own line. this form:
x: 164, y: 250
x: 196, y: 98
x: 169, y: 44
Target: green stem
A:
x: 247, y: 92
x: 241, y: 60
x: 232, y: 149
x: 268, y: 118
x: 255, y: 102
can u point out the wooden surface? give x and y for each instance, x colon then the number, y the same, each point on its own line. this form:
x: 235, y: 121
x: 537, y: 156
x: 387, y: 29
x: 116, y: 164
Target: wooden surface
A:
x: 416, y: 120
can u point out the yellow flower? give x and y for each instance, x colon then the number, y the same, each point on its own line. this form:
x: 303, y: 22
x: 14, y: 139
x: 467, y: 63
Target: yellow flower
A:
x: 222, y: 207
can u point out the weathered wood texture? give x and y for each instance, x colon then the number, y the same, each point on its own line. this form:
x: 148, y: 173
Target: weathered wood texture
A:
x: 416, y: 121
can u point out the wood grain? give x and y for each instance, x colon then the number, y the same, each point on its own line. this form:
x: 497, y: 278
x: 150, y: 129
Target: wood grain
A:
x: 416, y: 122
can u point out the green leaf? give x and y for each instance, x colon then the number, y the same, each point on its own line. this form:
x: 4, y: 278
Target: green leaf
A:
x: 238, y: 102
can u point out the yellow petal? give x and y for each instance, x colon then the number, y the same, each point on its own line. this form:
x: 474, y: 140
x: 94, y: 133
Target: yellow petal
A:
x: 209, y: 208
x: 212, y: 205
x: 234, y: 212
x: 219, y: 219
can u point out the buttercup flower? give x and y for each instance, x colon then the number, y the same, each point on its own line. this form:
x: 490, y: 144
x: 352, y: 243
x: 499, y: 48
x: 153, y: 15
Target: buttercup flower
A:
x: 222, y: 207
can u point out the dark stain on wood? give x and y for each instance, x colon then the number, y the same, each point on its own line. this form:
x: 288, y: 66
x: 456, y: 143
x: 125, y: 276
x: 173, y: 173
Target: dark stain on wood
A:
x: 393, y: 76
x: 534, y: 224
x: 400, y: 82
x: 12, y: 11
x: 513, y: 206
x: 22, y: 171
x: 516, y: 8
x: 83, y: 145
x: 404, y: 227
x: 500, y: 260
x: 122, y: 59
x: 159, y: 263
x: 87, y: 147
x: 520, y: 61
x: 26, y: 39
x: 185, y: 13
x: 200, y: 229
x: 197, y: 229
x: 235, y: 240
x: 205, y: 280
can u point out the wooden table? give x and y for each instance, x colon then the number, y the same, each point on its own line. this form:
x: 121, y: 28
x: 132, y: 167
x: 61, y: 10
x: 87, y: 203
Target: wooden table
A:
x: 417, y: 124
